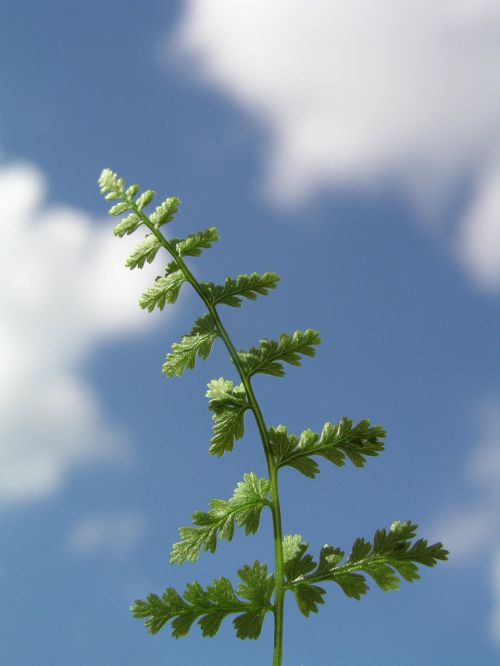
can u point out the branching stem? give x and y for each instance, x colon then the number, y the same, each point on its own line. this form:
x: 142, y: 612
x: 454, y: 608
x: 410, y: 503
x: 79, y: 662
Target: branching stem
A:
x: 279, y: 599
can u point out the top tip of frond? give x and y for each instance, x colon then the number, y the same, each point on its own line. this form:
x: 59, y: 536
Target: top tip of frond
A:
x: 105, y: 176
x: 109, y: 181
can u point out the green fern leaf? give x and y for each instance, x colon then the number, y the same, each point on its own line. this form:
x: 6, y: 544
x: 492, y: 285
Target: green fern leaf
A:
x: 144, y: 199
x: 243, y: 509
x: 228, y: 404
x: 211, y: 605
x: 257, y: 585
x: 165, y: 212
x: 128, y: 225
x: 336, y: 443
x: 193, y: 245
x: 165, y: 290
x: 110, y: 183
x: 131, y: 191
x: 119, y: 208
x: 297, y: 562
x: 198, y: 343
x: 391, y: 553
x: 270, y: 356
x: 244, y: 286
x: 308, y: 597
x: 145, y: 251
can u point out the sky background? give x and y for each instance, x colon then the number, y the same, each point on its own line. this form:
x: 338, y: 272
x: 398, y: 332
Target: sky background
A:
x: 353, y: 148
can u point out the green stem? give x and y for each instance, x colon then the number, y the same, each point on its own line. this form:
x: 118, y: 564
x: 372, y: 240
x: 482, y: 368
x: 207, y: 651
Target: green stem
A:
x: 261, y: 425
x: 279, y: 599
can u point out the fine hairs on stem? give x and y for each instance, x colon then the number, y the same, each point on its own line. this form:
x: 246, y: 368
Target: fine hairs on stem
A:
x: 393, y: 553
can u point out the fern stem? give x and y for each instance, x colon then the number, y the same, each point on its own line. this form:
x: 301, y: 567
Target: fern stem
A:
x: 261, y: 425
x: 279, y: 599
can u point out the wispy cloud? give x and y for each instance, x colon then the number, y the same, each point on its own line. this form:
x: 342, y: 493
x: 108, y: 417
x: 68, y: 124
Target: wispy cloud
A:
x: 479, y: 239
x: 472, y: 528
x: 114, y: 535
x: 64, y: 291
x: 357, y: 93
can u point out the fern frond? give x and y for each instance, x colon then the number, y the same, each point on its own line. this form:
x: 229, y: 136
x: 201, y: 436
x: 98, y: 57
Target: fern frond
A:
x: 144, y: 199
x: 392, y: 553
x: 244, y: 286
x: 336, y: 443
x: 194, y: 244
x: 146, y: 251
x: 270, y: 356
x: 251, y: 601
x: 165, y: 212
x: 228, y: 404
x: 198, y: 343
x: 165, y: 290
x: 243, y: 509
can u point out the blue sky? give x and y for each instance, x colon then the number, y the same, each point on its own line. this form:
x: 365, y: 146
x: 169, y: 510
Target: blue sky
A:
x: 353, y: 149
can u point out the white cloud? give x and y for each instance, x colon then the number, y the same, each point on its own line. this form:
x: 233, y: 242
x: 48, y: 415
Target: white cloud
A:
x: 359, y: 93
x: 466, y: 531
x: 479, y: 241
x: 471, y: 530
x: 109, y: 534
x: 472, y: 527
x: 64, y: 291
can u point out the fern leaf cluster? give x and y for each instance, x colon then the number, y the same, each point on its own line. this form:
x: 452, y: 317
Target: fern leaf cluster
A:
x: 336, y: 443
x: 244, y: 286
x: 194, y: 244
x: 250, y: 602
x: 165, y: 290
x: 269, y: 357
x: 392, y: 555
x: 197, y: 344
x: 243, y: 509
x: 165, y: 212
x: 145, y: 252
x: 228, y: 404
